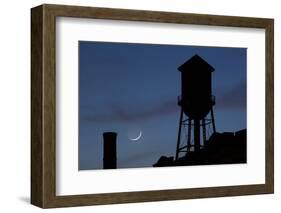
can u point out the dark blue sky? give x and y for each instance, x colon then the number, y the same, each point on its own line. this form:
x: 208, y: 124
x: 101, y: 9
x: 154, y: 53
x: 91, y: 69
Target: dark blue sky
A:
x: 129, y: 88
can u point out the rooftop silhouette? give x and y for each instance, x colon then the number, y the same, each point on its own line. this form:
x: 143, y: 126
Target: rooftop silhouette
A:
x: 221, y: 148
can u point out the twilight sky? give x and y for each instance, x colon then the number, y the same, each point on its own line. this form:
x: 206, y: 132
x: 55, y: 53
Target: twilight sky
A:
x: 129, y: 88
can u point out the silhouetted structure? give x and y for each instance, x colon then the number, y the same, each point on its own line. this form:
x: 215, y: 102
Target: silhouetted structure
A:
x: 196, y: 102
x: 221, y: 148
x: 109, y: 150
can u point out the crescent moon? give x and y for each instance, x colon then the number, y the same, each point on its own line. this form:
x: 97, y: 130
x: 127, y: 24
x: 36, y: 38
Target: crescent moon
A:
x: 137, y: 138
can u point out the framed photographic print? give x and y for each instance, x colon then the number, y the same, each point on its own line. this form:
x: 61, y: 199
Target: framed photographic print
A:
x: 136, y: 106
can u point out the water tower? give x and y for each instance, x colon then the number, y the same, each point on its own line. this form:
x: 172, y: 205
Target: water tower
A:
x: 196, y: 103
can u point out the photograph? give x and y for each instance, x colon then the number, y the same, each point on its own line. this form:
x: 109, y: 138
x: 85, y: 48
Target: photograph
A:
x: 159, y: 105
x: 168, y: 105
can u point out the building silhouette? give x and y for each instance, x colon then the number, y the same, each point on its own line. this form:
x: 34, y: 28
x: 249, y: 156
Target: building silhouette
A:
x: 194, y: 146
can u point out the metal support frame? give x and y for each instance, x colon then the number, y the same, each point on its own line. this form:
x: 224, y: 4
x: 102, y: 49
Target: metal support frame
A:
x: 195, y: 125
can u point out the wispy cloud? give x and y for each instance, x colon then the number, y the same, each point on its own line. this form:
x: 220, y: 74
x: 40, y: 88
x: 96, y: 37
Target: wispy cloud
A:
x: 114, y: 112
x: 235, y: 97
x: 119, y: 113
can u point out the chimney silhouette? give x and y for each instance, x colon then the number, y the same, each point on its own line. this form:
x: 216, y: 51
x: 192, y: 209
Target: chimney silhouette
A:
x: 109, y: 150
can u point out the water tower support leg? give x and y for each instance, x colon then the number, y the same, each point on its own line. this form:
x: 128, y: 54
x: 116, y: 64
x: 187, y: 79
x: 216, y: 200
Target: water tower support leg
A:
x: 213, y: 120
x: 189, y: 135
x: 196, y: 135
x: 179, y: 134
x: 204, y: 131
